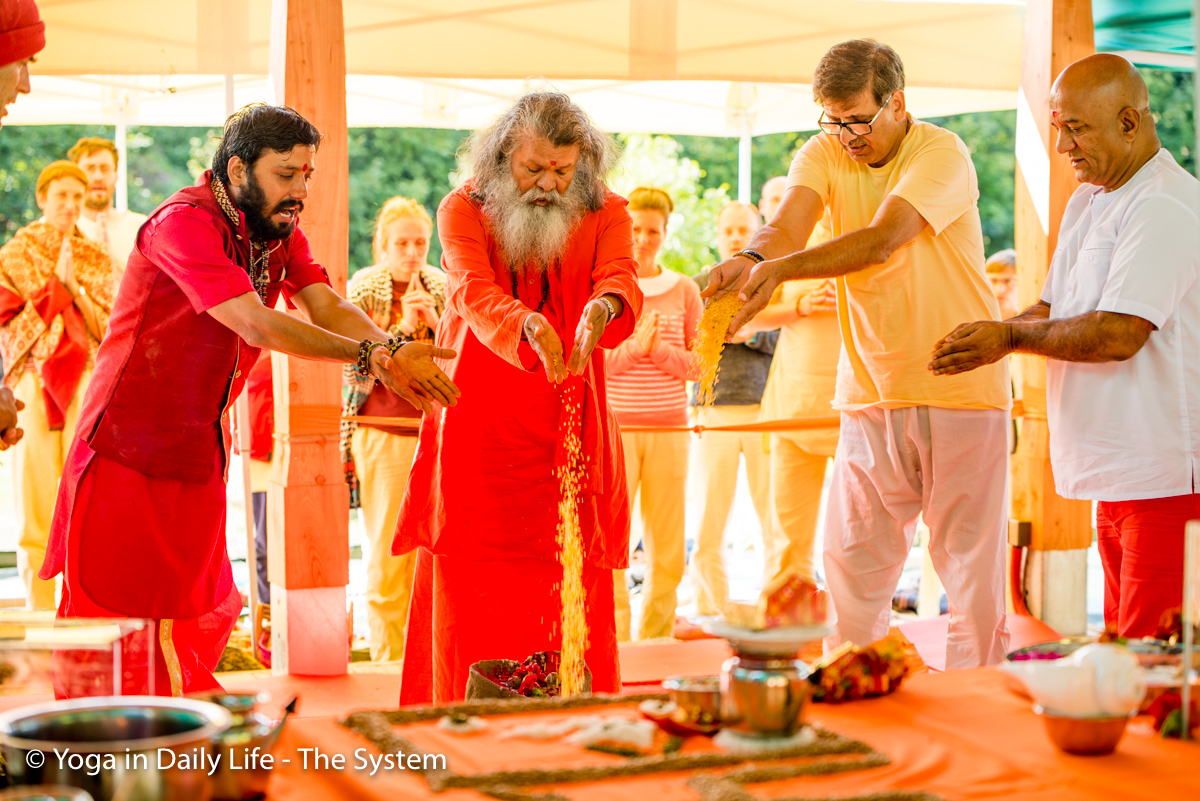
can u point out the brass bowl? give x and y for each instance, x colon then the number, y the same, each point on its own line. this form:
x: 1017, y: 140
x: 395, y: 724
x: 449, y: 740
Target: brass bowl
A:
x: 699, y: 698
x: 1083, y: 736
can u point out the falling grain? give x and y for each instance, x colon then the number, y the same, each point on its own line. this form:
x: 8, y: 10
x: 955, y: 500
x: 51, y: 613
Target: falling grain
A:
x: 710, y: 341
x: 570, y: 549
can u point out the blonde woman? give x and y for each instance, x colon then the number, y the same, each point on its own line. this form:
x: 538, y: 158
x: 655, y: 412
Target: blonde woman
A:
x: 56, y: 292
x: 646, y: 386
x: 404, y: 296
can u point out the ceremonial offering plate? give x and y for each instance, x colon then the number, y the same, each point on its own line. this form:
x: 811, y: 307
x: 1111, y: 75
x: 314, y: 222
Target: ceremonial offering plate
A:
x: 1150, y: 652
x: 765, y: 641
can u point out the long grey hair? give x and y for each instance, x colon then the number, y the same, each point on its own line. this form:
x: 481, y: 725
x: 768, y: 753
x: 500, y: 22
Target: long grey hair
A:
x: 527, y: 232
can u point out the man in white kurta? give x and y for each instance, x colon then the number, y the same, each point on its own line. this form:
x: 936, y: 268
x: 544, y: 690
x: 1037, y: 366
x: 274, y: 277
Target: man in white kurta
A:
x: 100, y: 221
x: 1119, y: 322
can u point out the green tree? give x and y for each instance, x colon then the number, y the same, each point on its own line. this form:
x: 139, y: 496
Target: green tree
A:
x: 24, y: 151
x: 658, y: 161
x: 418, y: 163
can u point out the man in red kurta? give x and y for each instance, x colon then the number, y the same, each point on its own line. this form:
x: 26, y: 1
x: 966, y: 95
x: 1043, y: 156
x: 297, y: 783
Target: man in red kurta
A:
x: 539, y: 264
x: 139, y: 528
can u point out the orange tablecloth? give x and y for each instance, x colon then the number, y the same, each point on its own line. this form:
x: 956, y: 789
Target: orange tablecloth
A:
x: 960, y: 735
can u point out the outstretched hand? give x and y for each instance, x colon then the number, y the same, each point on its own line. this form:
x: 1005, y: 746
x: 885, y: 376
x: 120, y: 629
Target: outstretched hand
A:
x: 970, y: 346
x: 547, y: 346
x: 757, y: 291
x: 9, y: 406
x: 412, y: 374
x: 591, y: 327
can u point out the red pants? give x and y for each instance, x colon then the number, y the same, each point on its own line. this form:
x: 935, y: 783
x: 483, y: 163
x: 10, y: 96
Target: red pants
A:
x: 464, y: 611
x: 1141, y: 546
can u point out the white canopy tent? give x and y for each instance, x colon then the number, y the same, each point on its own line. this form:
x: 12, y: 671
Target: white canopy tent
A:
x: 733, y: 68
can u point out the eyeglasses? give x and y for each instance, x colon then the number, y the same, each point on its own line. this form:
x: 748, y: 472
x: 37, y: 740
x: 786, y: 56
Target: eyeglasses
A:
x: 856, y: 128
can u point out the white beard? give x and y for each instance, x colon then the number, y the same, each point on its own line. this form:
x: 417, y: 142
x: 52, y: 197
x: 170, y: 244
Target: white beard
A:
x: 529, y: 234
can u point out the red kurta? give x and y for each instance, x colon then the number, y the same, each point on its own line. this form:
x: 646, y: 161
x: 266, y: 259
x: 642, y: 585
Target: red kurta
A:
x: 139, y: 528
x: 482, y: 497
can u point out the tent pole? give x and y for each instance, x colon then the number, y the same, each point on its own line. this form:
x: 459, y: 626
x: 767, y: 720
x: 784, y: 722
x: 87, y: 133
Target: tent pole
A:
x: 122, y: 135
x: 744, y: 156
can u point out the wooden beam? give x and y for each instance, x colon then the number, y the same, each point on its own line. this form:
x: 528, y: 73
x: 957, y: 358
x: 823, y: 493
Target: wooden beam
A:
x: 1057, y: 33
x: 308, y: 502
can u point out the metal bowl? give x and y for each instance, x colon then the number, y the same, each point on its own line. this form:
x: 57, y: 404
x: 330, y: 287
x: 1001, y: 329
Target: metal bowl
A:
x: 1083, y: 736
x: 136, y: 748
x: 45, y: 792
x: 764, y: 697
x: 699, y: 698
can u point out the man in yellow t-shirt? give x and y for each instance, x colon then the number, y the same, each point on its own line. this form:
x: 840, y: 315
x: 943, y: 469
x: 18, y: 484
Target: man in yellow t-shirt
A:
x: 907, y: 253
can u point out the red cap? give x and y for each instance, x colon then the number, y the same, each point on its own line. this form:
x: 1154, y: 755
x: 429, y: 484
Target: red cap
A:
x: 22, y: 32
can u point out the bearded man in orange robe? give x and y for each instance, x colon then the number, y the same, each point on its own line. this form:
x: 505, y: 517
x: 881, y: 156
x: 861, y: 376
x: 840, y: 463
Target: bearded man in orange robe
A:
x: 538, y: 255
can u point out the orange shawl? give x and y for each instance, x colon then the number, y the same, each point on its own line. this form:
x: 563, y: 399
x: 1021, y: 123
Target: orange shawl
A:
x: 40, y: 326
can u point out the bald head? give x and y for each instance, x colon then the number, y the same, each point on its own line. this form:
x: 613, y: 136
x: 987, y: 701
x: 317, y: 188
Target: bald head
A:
x: 736, y: 223
x: 772, y: 196
x: 1101, y: 109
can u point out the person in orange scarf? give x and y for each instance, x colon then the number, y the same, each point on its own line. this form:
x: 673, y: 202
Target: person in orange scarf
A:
x: 22, y: 36
x: 56, y: 291
x: 538, y: 255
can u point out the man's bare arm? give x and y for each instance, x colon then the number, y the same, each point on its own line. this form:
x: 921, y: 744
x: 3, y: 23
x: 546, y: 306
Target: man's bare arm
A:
x: 1094, y: 337
x: 411, y: 374
x: 787, y: 232
x: 1097, y: 336
x: 896, y: 224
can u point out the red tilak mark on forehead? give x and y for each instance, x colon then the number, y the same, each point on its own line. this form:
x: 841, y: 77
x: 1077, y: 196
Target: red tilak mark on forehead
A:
x: 554, y: 164
x: 304, y: 168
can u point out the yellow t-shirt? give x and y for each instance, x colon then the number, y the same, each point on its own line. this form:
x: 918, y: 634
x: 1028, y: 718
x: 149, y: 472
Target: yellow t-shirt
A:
x: 892, y: 314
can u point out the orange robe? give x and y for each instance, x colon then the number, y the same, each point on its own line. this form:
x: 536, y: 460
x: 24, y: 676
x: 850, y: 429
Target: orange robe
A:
x: 482, y: 498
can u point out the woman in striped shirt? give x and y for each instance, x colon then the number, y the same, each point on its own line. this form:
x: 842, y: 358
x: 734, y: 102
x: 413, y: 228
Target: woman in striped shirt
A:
x: 646, y: 387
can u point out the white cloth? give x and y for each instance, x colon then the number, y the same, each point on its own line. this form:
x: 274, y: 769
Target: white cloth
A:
x: 116, y: 230
x: 1129, y: 430
x: 951, y: 467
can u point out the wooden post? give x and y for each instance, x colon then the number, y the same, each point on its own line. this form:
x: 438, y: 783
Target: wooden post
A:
x: 308, y: 502
x: 1057, y: 33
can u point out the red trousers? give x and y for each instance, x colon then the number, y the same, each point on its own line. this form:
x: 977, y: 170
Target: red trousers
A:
x: 111, y: 515
x: 464, y: 611
x: 1141, y: 547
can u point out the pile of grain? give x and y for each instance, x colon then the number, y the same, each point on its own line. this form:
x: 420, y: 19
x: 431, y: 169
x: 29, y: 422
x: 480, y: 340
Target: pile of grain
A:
x: 710, y: 341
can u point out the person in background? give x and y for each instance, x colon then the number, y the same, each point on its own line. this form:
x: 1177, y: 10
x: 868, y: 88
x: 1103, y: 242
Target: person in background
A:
x: 116, y: 230
x: 647, y: 376
x: 801, y: 384
x: 56, y: 292
x: 22, y: 36
x: 744, y: 366
x: 404, y: 296
x: 772, y: 195
x: 1119, y: 324
x: 1001, y: 269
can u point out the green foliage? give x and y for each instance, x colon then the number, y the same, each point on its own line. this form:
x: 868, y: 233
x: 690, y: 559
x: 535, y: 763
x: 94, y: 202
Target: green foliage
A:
x: 1173, y: 103
x: 992, y: 139
x: 24, y: 151
x: 418, y: 163
x: 658, y: 161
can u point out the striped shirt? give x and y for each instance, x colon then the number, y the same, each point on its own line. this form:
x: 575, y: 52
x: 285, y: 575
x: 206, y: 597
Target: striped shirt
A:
x: 650, y: 388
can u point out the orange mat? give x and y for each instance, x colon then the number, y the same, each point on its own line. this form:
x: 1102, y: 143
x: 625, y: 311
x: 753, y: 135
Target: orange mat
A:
x: 960, y: 735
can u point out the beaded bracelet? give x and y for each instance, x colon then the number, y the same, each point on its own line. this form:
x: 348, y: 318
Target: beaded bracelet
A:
x: 394, y: 344
x: 365, y: 348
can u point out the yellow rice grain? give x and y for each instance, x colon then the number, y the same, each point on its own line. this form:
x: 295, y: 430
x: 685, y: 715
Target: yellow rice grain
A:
x: 570, y: 548
x: 710, y: 341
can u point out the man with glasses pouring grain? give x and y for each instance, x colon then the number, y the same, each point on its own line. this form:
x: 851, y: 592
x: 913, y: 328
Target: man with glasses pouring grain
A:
x: 907, y: 254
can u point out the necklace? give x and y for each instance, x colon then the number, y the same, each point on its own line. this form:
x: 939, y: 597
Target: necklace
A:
x: 518, y: 278
x: 260, y: 255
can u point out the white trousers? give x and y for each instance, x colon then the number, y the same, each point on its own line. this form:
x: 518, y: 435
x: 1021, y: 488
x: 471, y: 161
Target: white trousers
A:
x: 949, y: 465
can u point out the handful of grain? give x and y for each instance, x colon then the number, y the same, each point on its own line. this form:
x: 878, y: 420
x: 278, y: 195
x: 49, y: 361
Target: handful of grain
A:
x: 710, y: 341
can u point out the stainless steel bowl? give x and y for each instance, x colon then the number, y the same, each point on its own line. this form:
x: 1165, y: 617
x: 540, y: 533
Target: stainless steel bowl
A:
x: 45, y: 792
x: 132, y: 748
x: 242, y: 774
x: 698, y: 697
x: 764, y: 696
